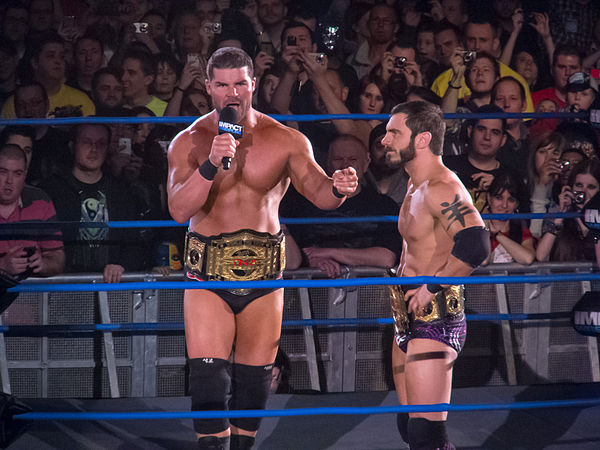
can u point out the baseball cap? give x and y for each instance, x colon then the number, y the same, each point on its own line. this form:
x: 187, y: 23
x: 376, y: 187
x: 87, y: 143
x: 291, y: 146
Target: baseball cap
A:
x: 581, y: 81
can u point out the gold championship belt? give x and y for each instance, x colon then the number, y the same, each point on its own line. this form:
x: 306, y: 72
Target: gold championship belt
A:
x: 244, y: 255
x: 449, y: 302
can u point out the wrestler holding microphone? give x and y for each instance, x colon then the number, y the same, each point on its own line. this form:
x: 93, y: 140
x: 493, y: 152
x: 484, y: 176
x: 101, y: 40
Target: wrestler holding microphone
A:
x: 232, y: 335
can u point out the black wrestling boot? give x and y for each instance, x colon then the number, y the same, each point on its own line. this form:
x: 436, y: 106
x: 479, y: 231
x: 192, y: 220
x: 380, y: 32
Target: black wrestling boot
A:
x: 426, y: 434
x: 213, y: 443
x: 241, y: 442
x: 402, y: 424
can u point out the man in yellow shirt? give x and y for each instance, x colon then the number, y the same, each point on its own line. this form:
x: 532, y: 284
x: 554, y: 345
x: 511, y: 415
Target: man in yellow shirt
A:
x: 139, y: 71
x: 480, y: 36
x: 48, y: 63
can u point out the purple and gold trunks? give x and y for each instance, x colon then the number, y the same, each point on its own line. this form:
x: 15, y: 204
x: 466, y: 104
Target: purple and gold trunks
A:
x: 443, y: 320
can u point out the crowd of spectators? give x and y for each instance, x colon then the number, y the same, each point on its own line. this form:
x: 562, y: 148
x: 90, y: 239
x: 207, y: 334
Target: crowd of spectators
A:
x: 147, y: 58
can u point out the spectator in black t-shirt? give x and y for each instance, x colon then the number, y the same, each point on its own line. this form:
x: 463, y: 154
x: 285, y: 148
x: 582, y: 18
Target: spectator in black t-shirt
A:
x: 330, y: 246
x: 479, y: 166
x: 88, y: 194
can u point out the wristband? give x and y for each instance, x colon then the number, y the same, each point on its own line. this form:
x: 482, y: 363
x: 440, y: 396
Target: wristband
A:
x: 177, y: 88
x: 453, y: 87
x: 337, y: 193
x: 434, y: 288
x: 208, y: 170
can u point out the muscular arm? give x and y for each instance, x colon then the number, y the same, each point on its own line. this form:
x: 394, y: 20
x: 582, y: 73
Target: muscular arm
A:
x: 450, y: 204
x: 187, y: 189
x: 308, y: 177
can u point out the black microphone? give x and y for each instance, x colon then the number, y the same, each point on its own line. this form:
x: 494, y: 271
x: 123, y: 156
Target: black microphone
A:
x: 228, y: 124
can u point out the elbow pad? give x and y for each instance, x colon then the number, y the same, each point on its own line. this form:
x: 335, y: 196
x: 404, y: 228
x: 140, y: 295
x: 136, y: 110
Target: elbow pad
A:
x: 472, y: 245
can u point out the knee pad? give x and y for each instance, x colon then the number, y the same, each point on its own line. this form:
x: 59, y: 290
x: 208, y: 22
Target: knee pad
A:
x: 213, y: 443
x: 241, y: 442
x: 250, y: 389
x: 402, y: 423
x: 426, y: 434
x: 210, y: 386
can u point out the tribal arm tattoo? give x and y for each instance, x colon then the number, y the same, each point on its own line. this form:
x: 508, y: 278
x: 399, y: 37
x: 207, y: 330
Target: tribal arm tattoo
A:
x: 457, y: 211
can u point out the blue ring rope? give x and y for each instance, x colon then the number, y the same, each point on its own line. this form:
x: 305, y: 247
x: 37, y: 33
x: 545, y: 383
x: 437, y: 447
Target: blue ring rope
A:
x: 357, y: 410
x: 14, y: 330
x: 282, y: 118
x: 25, y: 225
x: 299, y: 283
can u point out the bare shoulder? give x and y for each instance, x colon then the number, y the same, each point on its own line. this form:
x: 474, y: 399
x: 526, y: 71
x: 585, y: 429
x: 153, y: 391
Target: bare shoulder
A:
x: 446, y: 187
x: 450, y: 203
x: 188, y: 139
x: 282, y: 136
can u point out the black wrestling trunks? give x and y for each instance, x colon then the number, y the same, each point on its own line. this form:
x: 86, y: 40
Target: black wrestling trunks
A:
x: 244, y: 255
x: 442, y: 320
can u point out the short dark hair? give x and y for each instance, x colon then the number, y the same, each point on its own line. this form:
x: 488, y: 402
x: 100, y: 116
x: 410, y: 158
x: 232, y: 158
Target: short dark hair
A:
x: 488, y: 109
x: 566, y: 50
x: 229, y: 58
x: 89, y: 37
x: 482, y: 55
x: 507, y: 78
x: 445, y: 25
x: 294, y: 24
x: 426, y: 94
x: 402, y: 42
x: 111, y: 70
x: 36, y: 84
x: 484, y: 18
x: 76, y: 129
x: 47, y: 37
x: 424, y: 117
x: 13, y: 151
x: 146, y: 60
x: 155, y: 12
x: 19, y: 130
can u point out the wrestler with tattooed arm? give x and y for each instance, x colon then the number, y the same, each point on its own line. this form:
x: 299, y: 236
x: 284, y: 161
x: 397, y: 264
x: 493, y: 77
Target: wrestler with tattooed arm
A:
x: 444, y: 235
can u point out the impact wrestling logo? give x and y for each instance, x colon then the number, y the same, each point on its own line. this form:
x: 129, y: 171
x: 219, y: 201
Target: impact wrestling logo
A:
x: 233, y: 128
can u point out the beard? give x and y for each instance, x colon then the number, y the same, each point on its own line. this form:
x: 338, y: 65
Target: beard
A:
x: 396, y: 159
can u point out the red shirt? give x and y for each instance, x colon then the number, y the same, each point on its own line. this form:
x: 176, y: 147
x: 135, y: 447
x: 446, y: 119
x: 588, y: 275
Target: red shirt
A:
x: 34, y: 206
x: 525, y: 234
